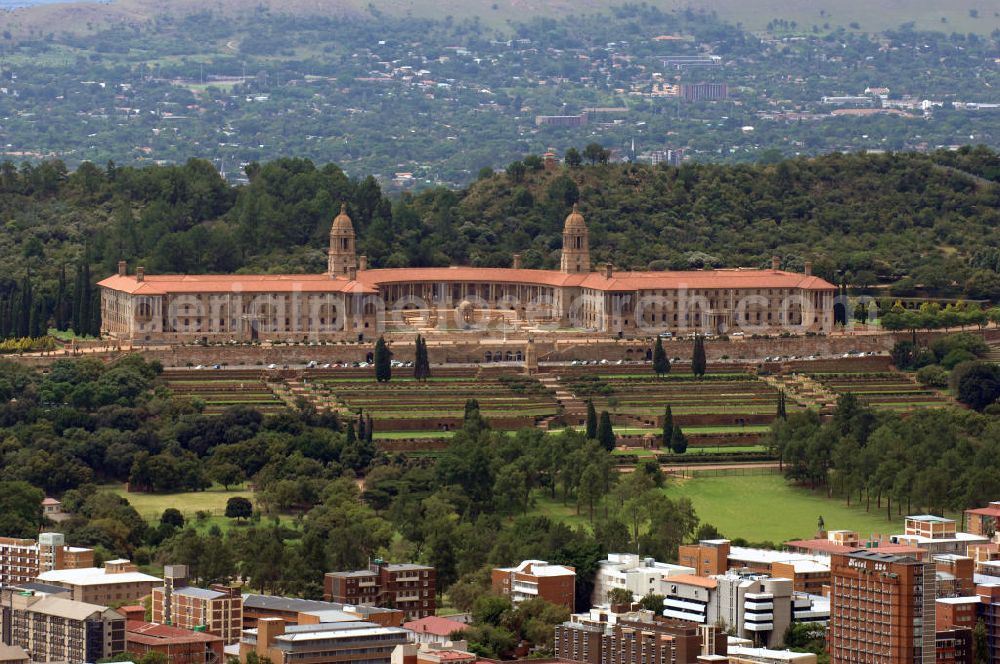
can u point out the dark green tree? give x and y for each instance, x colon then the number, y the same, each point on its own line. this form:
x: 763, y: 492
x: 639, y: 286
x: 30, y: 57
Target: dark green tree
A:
x: 239, y: 507
x: 781, y: 414
x: 383, y: 361
x: 668, y: 428
x: 661, y: 363
x: 605, y: 432
x: 573, y: 158
x: 678, y: 441
x: 591, y: 428
x: 698, y: 363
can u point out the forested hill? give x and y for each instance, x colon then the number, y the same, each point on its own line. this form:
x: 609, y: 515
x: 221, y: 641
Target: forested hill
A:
x: 903, y: 219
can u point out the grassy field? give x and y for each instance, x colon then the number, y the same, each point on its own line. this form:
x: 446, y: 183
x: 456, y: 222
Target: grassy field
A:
x: 150, y: 506
x: 766, y: 507
x: 755, y: 507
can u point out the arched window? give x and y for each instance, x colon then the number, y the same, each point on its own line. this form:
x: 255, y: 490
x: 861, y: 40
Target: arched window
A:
x: 488, y: 357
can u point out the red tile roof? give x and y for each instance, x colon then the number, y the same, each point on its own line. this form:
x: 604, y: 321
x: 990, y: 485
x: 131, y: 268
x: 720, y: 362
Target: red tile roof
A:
x: 692, y: 580
x: 985, y: 511
x: 155, y: 633
x: 368, y: 280
x: 160, y: 284
x: 435, y: 625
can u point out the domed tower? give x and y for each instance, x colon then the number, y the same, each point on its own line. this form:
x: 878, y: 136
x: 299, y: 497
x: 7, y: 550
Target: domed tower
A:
x: 341, y: 257
x: 576, y: 244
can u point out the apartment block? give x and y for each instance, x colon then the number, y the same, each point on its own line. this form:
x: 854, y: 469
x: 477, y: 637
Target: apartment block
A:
x: 179, y: 646
x: 118, y: 581
x: 627, y: 571
x: 21, y: 560
x: 217, y: 610
x: 635, y: 638
x: 323, y: 643
x: 882, y: 609
x: 983, y: 521
x: 537, y: 578
x: 750, y: 606
x: 54, y: 629
x: 407, y: 587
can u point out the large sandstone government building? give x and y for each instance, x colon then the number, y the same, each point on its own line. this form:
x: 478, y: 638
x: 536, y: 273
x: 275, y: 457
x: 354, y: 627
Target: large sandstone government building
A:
x: 351, y: 301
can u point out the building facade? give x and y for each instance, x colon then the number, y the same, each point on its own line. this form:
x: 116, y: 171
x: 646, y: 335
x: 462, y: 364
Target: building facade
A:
x: 54, y: 629
x: 555, y: 584
x: 323, y: 643
x: 22, y: 560
x: 351, y: 301
x: 217, y: 610
x: 628, y: 571
x: 117, y: 582
x: 882, y: 609
x: 635, y: 639
x: 403, y: 586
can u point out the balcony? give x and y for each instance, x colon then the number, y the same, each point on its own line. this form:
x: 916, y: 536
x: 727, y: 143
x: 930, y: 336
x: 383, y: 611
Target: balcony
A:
x: 759, y: 605
x: 758, y: 627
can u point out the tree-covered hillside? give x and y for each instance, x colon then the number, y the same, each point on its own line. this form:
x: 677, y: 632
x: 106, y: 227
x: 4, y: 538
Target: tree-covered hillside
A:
x: 911, y: 221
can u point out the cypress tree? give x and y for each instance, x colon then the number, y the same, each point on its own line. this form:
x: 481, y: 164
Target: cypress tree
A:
x: 661, y: 363
x: 350, y: 438
x: 698, y: 363
x: 362, y: 434
x: 781, y: 406
x: 591, y: 421
x: 425, y: 358
x: 383, y: 366
x: 24, y: 312
x: 369, y: 429
x: 60, y: 309
x: 668, y: 428
x: 678, y: 441
x: 77, y: 322
x: 605, y: 432
x: 85, y: 300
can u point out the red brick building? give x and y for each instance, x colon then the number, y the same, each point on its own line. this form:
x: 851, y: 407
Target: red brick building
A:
x: 218, y: 610
x: 404, y: 586
x: 180, y: 646
x: 882, y: 609
x: 537, y: 578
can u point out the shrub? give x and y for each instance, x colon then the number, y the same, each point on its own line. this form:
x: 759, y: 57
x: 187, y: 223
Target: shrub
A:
x: 976, y: 384
x: 933, y: 375
x: 955, y: 357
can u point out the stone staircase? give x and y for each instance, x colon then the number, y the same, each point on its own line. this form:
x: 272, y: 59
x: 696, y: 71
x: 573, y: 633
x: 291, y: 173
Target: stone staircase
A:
x: 571, y: 407
x: 321, y: 397
x: 804, y: 391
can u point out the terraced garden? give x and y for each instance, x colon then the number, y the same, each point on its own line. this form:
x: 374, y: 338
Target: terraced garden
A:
x: 509, y: 401
x: 716, y: 402
x: 889, y: 390
x: 220, y: 389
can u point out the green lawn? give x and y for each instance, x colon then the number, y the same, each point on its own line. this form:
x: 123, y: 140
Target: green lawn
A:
x: 756, y: 507
x: 767, y: 507
x: 151, y: 505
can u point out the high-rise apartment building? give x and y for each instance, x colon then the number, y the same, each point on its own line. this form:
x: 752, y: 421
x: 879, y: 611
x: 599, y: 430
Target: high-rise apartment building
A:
x: 22, y: 560
x: 882, y: 609
x: 407, y: 587
x: 54, y: 629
